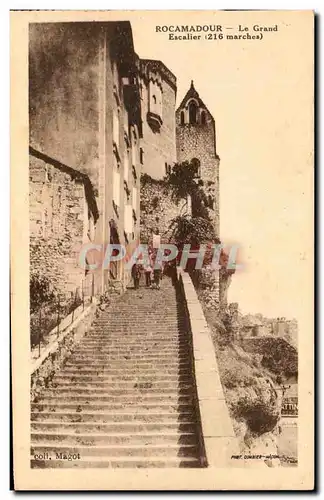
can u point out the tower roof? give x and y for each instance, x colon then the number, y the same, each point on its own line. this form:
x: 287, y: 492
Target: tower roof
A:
x: 192, y: 94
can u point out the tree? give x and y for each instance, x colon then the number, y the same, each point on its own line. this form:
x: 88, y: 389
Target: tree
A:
x: 40, y: 291
x: 184, y: 182
x: 193, y: 230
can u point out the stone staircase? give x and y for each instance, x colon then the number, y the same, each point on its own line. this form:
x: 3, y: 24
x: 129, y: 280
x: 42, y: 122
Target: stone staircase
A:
x: 125, y: 397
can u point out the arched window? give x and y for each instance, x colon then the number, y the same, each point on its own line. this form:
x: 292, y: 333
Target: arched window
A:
x: 203, y: 118
x: 182, y: 118
x: 192, y: 113
x: 196, y: 164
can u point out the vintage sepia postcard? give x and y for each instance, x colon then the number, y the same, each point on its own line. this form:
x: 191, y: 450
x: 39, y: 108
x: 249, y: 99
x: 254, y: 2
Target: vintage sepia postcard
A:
x: 162, y: 250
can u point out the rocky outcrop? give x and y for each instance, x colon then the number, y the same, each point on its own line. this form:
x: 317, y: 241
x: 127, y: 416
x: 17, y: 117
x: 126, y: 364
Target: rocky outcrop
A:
x: 250, y: 391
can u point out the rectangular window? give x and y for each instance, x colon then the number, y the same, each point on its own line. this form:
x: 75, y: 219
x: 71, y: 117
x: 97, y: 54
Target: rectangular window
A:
x: 116, y: 78
x: 134, y: 174
x: 116, y: 188
x: 126, y: 166
x: 128, y: 219
x: 116, y: 127
x: 141, y: 156
x: 134, y: 198
x: 133, y: 153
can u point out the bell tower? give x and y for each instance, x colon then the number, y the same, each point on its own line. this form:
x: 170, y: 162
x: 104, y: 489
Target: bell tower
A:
x: 196, y: 139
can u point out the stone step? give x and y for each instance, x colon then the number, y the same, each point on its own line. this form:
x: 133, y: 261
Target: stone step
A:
x: 126, y: 396
x: 127, y: 318
x: 121, y: 379
x: 136, y: 351
x: 172, y: 450
x: 93, y: 439
x: 110, y: 462
x: 120, y: 384
x: 146, y: 355
x: 148, y: 334
x: 136, y: 348
x: 131, y: 345
x: 149, y: 338
x: 128, y: 363
x: 140, y: 328
x: 106, y: 417
x: 117, y: 371
x: 126, y: 400
x: 111, y: 427
x: 130, y: 316
x: 46, y: 405
x: 132, y: 392
x: 79, y: 357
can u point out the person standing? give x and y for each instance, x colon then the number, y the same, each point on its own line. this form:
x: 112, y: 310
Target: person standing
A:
x: 148, y: 273
x: 157, y: 277
x: 136, y: 274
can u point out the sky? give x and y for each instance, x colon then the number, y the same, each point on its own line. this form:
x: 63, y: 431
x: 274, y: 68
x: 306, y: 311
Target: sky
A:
x: 260, y: 94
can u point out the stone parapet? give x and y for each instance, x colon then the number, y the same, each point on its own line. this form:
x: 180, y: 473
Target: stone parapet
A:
x: 44, y: 368
x: 217, y: 433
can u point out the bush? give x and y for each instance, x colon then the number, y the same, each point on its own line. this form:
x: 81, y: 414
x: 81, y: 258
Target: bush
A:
x: 40, y: 292
x: 232, y: 379
x: 259, y: 415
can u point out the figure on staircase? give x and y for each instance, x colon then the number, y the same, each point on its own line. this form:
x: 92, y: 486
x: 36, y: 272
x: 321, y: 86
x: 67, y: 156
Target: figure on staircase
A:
x: 136, y: 274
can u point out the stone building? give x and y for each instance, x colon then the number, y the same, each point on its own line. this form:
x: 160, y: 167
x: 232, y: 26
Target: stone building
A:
x: 98, y: 109
x: 158, y: 101
x: 63, y: 215
x: 196, y: 139
x: 85, y: 113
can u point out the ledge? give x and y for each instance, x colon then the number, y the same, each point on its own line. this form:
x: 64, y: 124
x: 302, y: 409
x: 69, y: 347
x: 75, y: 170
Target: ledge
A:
x: 217, y: 433
x: 116, y: 152
x: 154, y: 120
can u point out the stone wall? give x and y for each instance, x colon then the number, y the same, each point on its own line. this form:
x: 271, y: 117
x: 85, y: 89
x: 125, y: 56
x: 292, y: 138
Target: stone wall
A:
x: 198, y: 141
x: 60, y: 222
x: 159, y: 148
x: 44, y: 368
x: 85, y: 111
x: 157, y: 209
x: 63, y: 93
x: 217, y: 431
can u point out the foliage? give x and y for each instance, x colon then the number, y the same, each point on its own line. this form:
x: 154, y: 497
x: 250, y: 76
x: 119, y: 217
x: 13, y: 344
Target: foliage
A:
x: 48, y: 307
x: 184, y: 182
x: 40, y: 291
x: 193, y: 230
x: 260, y: 416
x: 232, y: 379
x: 147, y: 179
x: 49, y: 313
x: 279, y: 356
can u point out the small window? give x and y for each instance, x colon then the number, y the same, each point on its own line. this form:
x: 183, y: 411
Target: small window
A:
x: 167, y: 169
x: 141, y: 156
x: 182, y: 118
x: 203, y: 118
x: 196, y: 163
x: 116, y: 127
x: 192, y: 113
x: 154, y: 99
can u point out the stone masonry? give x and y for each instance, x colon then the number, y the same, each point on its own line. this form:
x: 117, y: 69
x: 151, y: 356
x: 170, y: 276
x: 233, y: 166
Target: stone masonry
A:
x: 62, y: 218
x: 196, y: 139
